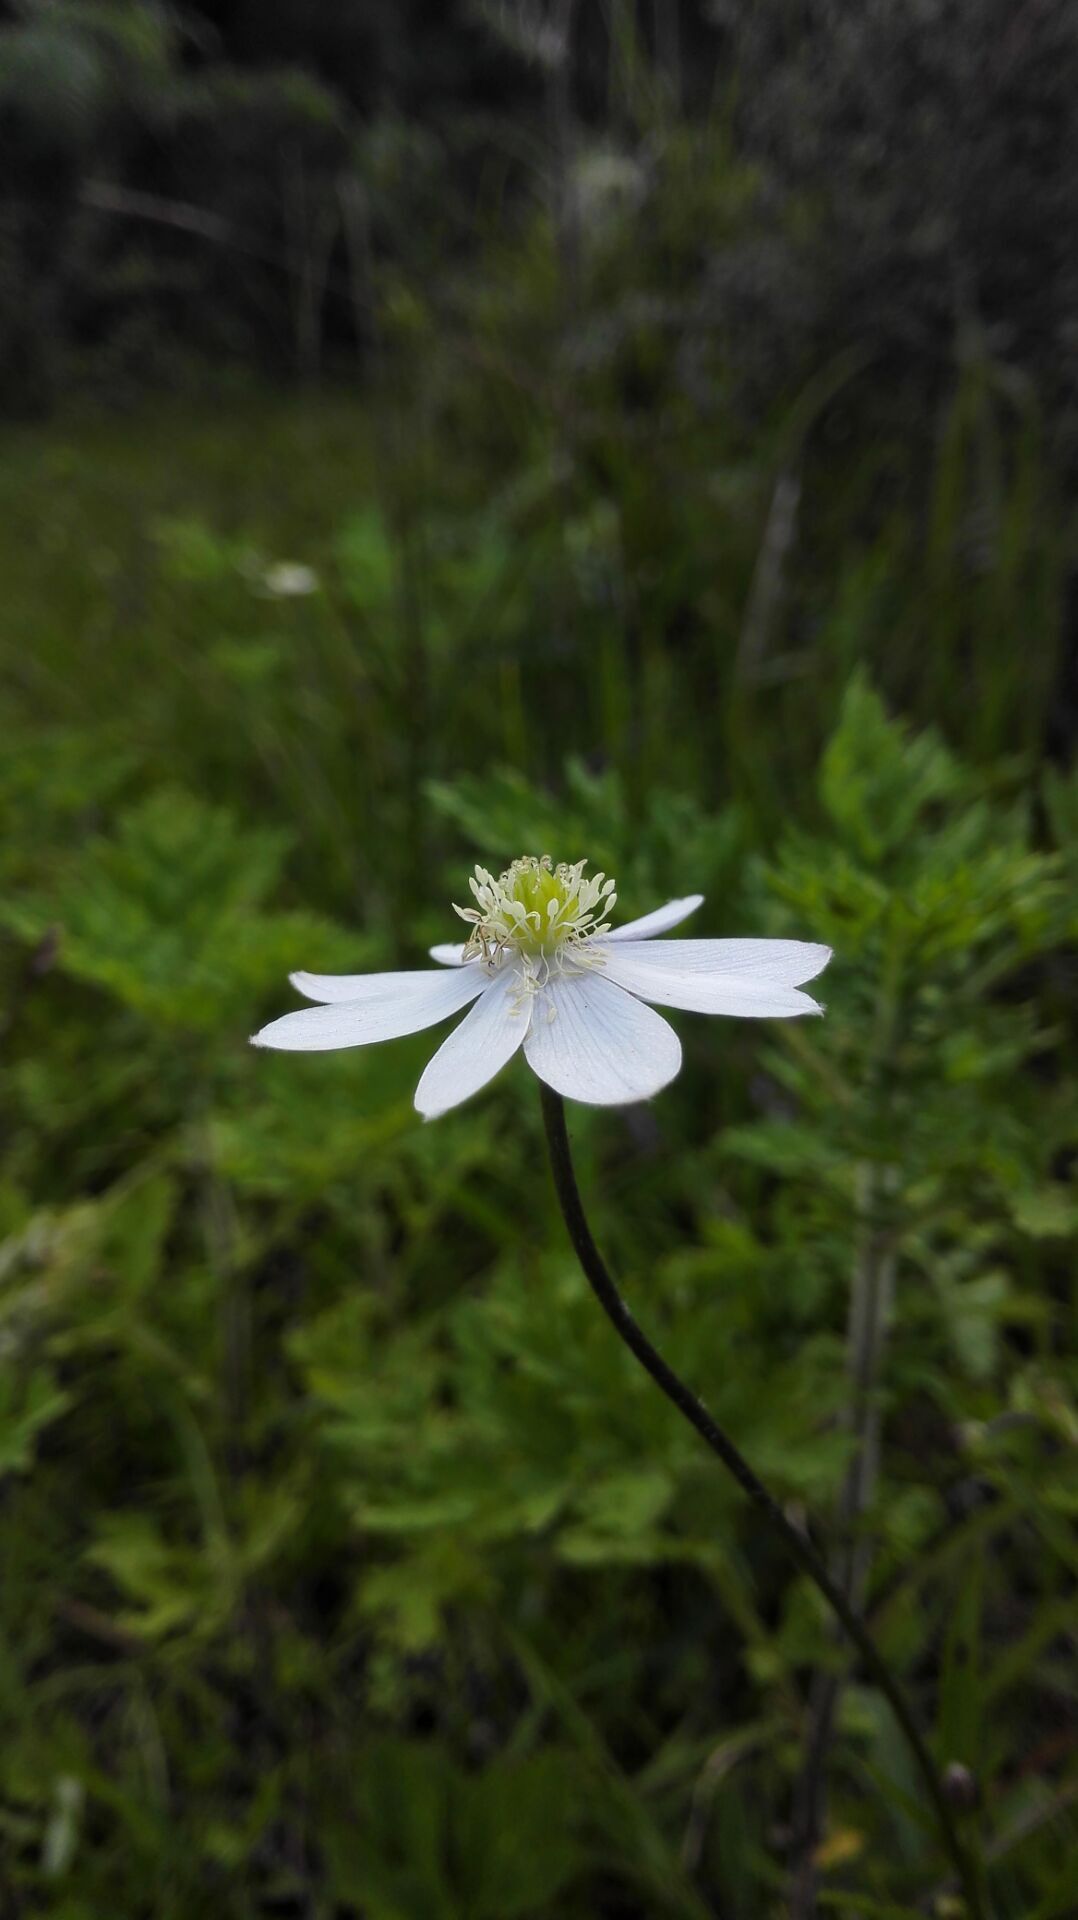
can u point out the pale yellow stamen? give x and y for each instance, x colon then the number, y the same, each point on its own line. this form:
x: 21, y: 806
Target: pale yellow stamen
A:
x: 544, y: 914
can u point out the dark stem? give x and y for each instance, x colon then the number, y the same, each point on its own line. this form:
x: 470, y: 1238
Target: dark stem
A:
x: 694, y: 1411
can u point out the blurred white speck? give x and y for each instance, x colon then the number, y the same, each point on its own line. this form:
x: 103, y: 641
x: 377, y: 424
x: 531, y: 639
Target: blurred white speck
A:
x: 288, y: 580
x: 62, y: 1832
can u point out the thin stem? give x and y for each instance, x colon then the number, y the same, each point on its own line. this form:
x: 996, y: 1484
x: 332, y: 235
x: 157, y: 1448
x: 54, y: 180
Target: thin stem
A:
x: 694, y: 1411
x: 870, y: 1302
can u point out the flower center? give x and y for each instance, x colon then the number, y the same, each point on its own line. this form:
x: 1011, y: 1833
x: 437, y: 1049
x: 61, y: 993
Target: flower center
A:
x: 544, y: 912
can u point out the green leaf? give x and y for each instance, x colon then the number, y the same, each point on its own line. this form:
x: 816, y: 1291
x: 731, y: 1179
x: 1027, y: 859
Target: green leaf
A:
x: 167, y: 916
x: 877, y: 780
x: 28, y: 1406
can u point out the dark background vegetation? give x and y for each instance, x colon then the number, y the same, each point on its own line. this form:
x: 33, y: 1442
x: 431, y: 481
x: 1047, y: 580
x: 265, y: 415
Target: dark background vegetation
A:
x: 435, y: 432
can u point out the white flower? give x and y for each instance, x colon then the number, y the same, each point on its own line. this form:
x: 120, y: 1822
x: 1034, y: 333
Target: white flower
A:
x: 288, y: 580
x: 543, y: 969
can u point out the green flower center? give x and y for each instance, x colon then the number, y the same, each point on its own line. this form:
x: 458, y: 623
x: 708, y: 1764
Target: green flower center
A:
x: 536, y: 908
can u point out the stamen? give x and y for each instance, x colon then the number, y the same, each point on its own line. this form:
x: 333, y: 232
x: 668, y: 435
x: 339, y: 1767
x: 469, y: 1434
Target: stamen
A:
x: 542, y: 913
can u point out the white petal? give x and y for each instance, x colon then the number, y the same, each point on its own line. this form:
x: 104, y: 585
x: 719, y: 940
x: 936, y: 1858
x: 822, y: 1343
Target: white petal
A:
x: 448, y: 955
x: 382, y: 1006
x: 476, y: 1050
x: 592, y: 1042
x: 660, y: 921
x: 340, y: 989
x: 755, y: 979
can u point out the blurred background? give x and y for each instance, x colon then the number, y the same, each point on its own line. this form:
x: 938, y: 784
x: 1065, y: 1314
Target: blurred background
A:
x: 435, y: 432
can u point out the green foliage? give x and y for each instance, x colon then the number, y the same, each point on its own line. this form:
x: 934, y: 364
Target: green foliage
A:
x: 350, y: 1568
x: 348, y: 1559
x: 165, y: 913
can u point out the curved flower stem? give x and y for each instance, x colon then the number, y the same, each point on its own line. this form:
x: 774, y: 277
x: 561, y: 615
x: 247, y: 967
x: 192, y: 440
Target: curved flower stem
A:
x: 801, y: 1549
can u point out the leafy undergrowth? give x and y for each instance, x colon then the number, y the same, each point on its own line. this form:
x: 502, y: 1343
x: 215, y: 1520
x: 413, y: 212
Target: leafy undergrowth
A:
x: 710, y: 522
x: 349, y: 1567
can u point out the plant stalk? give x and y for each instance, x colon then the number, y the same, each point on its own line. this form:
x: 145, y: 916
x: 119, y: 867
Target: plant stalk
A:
x: 714, y: 1436
x: 870, y: 1306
